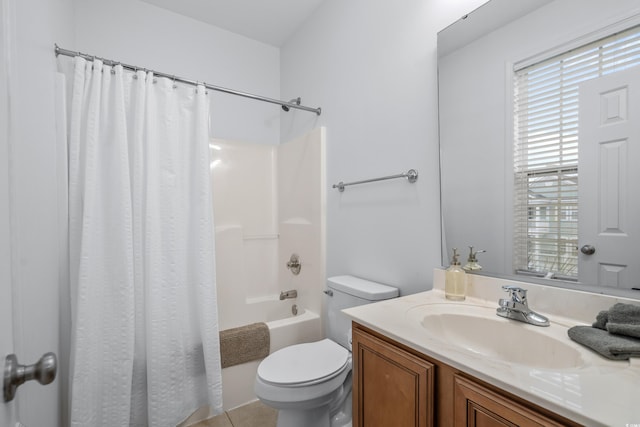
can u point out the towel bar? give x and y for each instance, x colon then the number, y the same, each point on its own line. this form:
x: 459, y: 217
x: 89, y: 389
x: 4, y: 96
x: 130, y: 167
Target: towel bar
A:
x: 411, y: 175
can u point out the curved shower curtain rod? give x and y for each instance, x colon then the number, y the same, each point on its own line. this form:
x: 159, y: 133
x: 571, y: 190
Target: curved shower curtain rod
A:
x: 294, y: 103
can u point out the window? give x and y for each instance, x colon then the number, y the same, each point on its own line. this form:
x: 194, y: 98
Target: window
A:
x: 546, y: 151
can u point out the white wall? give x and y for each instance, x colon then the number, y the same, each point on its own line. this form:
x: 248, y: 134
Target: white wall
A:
x: 371, y: 66
x: 141, y: 34
x: 476, y: 119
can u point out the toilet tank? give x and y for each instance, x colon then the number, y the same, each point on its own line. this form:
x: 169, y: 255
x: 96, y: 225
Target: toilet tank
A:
x: 346, y: 292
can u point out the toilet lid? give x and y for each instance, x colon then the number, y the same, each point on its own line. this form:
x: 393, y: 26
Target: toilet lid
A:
x: 304, y: 363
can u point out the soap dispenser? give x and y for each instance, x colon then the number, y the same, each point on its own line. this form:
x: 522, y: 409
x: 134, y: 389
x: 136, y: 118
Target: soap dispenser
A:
x: 455, y: 280
x: 472, y: 261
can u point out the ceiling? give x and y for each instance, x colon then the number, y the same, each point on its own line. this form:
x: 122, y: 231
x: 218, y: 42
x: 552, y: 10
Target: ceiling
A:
x: 268, y: 21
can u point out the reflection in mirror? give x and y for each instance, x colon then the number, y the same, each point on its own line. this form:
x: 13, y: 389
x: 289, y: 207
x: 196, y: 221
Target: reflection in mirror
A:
x: 533, y: 171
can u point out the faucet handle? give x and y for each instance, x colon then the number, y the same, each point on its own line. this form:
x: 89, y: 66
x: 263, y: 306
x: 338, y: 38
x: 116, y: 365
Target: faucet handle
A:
x: 473, y: 254
x: 516, y: 293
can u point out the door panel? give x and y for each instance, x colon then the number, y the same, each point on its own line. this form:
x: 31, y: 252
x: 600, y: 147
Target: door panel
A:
x: 7, y: 410
x: 28, y: 277
x: 609, y: 152
x: 478, y: 406
x: 391, y: 386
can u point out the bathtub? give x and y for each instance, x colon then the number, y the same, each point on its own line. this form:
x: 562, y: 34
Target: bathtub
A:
x: 237, y: 381
x: 303, y: 327
x: 288, y: 322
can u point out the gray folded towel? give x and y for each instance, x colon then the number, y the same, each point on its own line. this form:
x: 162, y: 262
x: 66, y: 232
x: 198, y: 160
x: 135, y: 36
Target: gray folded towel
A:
x: 614, y: 347
x: 624, y: 319
x: 601, y: 320
x: 244, y: 344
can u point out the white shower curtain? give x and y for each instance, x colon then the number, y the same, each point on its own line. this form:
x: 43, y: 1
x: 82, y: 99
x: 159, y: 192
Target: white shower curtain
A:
x: 145, y: 346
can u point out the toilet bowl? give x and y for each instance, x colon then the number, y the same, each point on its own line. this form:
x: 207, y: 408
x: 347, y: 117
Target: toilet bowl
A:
x: 310, y: 384
x: 304, y: 380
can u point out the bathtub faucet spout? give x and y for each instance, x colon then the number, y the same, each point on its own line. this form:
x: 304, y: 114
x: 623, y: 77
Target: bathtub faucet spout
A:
x: 288, y: 294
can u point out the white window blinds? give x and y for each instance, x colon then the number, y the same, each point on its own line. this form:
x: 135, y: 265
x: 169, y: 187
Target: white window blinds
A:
x: 546, y: 151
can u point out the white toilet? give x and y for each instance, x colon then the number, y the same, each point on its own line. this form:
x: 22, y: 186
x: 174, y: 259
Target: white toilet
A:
x: 310, y: 384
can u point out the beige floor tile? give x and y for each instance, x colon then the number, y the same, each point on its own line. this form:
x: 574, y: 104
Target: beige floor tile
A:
x: 255, y: 414
x: 219, y: 421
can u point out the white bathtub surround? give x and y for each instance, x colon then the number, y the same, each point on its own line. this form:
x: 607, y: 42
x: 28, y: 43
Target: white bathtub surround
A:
x: 302, y: 216
x: 141, y: 250
x: 590, y: 390
x: 268, y: 204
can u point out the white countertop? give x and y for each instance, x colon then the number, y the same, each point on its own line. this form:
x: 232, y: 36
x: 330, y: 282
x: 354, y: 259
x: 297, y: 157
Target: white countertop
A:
x: 600, y: 392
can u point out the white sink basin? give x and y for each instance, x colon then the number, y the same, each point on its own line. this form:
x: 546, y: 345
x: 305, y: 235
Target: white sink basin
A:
x: 479, y: 330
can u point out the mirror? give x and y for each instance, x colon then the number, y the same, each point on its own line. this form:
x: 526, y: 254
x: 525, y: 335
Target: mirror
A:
x: 476, y: 59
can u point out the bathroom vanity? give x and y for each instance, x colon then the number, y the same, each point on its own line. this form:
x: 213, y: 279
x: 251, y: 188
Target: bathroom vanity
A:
x: 395, y: 385
x: 422, y: 360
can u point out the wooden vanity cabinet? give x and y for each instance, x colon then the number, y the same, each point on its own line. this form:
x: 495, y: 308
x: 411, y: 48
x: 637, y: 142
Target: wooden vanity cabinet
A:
x: 394, y: 385
x: 391, y: 387
x: 476, y: 405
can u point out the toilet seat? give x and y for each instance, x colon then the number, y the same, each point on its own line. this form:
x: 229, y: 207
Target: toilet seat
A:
x: 304, y: 364
x: 311, y: 384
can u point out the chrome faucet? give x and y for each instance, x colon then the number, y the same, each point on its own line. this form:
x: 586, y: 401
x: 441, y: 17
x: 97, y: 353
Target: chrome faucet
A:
x: 515, y: 307
x: 288, y: 294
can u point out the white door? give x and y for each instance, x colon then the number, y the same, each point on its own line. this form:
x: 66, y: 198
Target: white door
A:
x: 609, y: 180
x: 7, y: 410
x: 26, y: 400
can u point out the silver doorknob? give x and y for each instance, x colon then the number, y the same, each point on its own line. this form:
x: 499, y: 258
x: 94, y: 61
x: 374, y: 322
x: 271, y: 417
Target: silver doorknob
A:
x: 588, y: 249
x: 43, y: 371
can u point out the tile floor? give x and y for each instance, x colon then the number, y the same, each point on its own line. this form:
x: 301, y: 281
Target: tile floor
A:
x: 254, y: 414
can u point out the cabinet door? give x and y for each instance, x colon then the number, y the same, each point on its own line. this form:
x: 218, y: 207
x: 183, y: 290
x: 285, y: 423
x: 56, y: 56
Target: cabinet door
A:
x: 391, y: 386
x: 478, y: 406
